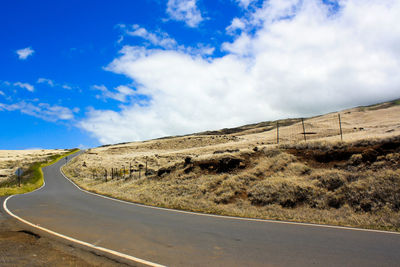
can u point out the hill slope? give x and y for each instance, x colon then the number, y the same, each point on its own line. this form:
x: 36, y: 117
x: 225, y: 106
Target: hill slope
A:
x: 310, y: 176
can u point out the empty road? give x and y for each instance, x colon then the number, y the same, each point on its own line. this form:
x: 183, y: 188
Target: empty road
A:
x: 173, y: 238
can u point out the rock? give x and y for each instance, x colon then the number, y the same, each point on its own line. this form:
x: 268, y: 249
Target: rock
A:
x: 188, y: 160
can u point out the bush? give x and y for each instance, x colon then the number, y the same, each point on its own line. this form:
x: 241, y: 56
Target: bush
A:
x: 374, y: 192
x: 288, y: 194
x: 355, y: 159
x: 330, y: 180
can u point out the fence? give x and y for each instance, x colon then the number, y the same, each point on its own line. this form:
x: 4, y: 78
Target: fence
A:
x: 347, y: 126
x: 351, y: 125
x: 310, y: 129
x: 123, y: 173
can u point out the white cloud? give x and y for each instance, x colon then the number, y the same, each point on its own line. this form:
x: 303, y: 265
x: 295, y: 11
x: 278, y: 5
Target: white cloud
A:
x: 185, y: 10
x: 120, y: 94
x: 245, y: 3
x: 46, y: 81
x: 43, y: 111
x: 163, y: 40
x: 158, y: 39
x: 24, y: 53
x: 2, y: 93
x: 26, y: 86
x: 301, y: 59
x: 82, y: 147
x: 236, y: 24
x: 52, y: 83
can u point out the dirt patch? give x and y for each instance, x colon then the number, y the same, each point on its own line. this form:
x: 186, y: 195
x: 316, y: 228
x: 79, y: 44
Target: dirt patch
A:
x: 22, y: 247
x: 223, y: 165
x: 332, y: 156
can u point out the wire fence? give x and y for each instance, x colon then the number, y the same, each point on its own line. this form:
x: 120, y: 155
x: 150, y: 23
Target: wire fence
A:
x: 345, y: 126
x: 310, y: 129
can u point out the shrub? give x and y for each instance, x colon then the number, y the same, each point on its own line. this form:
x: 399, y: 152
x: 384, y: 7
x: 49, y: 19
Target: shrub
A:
x: 330, y: 180
x: 288, y: 194
x: 355, y: 159
x: 374, y: 192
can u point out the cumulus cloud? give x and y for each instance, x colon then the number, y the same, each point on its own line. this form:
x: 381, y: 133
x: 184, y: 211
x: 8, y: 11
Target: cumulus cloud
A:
x: 236, y: 24
x: 24, y: 53
x: 43, y: 111
x: 300, y: 59
x: 121, y: 93
x: 26, y: 86
x: 184, y: 10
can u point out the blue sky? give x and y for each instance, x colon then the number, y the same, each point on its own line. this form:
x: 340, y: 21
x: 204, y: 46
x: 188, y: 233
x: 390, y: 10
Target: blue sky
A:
x: 86, y: 73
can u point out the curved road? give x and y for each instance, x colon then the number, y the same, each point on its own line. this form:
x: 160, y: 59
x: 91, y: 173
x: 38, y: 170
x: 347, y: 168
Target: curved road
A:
x: 174, y: 238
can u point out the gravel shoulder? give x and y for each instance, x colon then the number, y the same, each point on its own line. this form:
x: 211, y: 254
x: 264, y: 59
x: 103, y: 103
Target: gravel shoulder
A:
x: 20, y: 246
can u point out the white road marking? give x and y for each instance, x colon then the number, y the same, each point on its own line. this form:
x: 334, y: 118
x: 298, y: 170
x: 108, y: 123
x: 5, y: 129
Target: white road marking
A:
x: 230, y: 217
x: 110, y: 251
x: 129, y: 257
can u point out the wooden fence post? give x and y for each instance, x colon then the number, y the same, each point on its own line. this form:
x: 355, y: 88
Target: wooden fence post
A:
x: 277, y: 132
x: 340, y: 127
x: 145, y: 172
x: 105, y: 175
x: 304, y: 129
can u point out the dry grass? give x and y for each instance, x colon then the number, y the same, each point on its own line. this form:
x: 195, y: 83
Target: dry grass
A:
x: 11, y: 160
x: 353, y: 183
x: 31, y: 163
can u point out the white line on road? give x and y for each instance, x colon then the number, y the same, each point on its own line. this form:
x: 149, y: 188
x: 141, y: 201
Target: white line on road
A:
x: 229, y: 217
x: 110, y: 251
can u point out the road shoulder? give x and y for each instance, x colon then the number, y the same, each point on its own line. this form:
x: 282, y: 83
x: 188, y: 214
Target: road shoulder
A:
x: 22, y: 246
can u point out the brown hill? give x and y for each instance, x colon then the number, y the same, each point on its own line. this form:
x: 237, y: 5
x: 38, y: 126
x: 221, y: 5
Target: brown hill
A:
x: 312, y: 175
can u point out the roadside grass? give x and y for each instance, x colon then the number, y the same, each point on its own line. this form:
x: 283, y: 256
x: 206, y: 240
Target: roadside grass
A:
x: 32, y: 177
x: 347, y: 184
x: 243, y: 172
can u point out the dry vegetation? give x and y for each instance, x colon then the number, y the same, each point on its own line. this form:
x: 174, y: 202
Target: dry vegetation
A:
x: 242, y: 172
x: 11, y: 160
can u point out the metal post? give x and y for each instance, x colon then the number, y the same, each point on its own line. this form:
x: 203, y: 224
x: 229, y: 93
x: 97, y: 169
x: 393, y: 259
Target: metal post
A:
x: 105, y: 175
x: 112, y: 173
x: 145, y: 173
x: 130, y: 170
x: 304, y: 130
x: 277, y: 132
x: 19, y: 176
x: 340, y: 127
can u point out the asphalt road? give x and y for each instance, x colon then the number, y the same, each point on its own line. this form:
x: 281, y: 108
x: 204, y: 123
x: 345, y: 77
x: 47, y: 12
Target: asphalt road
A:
x: 182, y: 239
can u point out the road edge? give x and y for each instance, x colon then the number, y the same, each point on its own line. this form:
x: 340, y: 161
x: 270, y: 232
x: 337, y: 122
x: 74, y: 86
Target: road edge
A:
x: 229, y: 217
x: 71, y: 239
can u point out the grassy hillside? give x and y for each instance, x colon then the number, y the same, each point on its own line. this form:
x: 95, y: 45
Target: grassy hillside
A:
x: 32, y: 177
x: 244, y: 172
